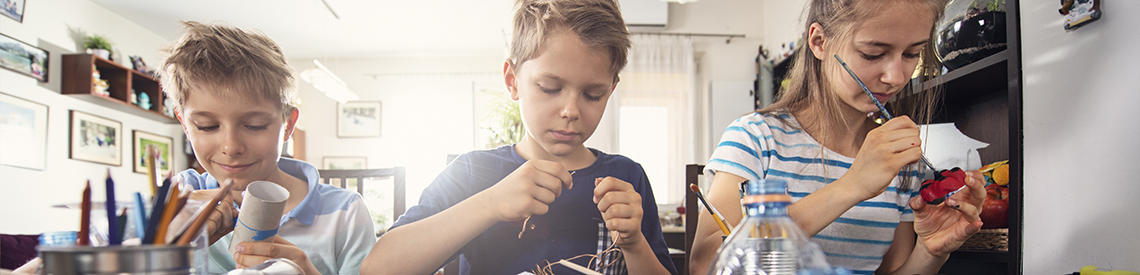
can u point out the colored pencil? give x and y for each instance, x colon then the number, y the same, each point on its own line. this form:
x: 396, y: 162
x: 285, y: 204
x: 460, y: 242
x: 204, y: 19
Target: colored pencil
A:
x: 716, y: 214
x: 113, y: 232
x: 167, y: 213
x: 156, y: 211
x: 196, y: 225
x: 139, y: 215
x: 84, y: 238
x: 882, y: 108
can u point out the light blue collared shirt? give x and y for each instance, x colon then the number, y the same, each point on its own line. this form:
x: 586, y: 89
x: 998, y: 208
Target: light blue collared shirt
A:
x: 331, y: 224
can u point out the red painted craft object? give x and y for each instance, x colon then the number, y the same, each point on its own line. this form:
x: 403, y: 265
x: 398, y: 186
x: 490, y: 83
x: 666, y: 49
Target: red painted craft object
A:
x: 944, y: 184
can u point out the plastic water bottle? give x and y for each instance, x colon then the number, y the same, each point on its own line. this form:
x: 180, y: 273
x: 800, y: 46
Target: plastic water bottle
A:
x: 767, y: 241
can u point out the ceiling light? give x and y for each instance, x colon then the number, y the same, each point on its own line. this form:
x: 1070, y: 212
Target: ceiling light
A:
x: 327, y: 82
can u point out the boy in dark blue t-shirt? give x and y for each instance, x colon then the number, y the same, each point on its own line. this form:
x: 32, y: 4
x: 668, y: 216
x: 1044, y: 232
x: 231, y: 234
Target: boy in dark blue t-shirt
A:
x: 569, y: 199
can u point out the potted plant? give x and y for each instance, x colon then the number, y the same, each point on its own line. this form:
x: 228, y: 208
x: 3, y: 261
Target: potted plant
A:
x: 98, y: 45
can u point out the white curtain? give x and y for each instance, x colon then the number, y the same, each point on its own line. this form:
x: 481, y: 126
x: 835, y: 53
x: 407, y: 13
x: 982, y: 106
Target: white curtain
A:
x: 656, y: 110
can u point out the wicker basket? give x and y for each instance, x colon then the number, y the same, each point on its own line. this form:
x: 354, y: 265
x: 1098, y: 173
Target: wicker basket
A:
x: 989, y: 239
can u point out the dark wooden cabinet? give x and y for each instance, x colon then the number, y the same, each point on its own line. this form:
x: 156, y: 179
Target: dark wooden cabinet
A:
x: 78, y: 82
x: 984, y: 100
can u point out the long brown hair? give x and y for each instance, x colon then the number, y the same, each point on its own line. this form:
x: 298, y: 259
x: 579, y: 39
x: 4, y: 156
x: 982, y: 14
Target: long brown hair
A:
x: 809, y: 85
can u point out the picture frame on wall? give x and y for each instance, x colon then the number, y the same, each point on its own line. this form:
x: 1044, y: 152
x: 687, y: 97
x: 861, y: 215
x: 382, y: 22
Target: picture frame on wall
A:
x: 95, y: 139
x: 23, y: 58
x: 344, y: 163
x: 13, y: 9
x: 164, y: 158
x: 358, y: 119
x: 23, y: 128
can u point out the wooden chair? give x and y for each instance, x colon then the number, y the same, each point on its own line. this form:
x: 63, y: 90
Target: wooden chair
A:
x: 396, y: 173
x: 692, y: 211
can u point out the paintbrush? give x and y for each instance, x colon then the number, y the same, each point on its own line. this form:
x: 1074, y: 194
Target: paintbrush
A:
x: 716, y: 214
x: 196, y: 225
x: 882, y: 109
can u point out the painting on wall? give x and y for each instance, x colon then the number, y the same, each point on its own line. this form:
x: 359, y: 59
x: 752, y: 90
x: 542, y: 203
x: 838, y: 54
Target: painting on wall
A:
x: 358, y: 119
x: 13, y: 9
x: 96, y: 139
x: 343, y: 163
x: 163, y: 146
x: 23, y: 132
x: 23, y: 58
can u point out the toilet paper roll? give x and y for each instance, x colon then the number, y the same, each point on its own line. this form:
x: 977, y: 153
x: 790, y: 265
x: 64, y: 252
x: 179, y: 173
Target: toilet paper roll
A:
x: 262, y: 205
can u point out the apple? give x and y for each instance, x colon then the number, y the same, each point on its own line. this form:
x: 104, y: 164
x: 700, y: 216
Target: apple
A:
x: 995, y: 211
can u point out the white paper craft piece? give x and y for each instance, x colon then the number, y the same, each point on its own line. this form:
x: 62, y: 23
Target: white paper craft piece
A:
x: 946, y: 147
x: 262, y: 205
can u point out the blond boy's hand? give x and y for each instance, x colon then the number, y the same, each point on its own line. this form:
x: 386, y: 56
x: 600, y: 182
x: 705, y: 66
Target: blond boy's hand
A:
x: 254, y: 253
x: 221, y: 221
x: 621, y: 209
x: 527, y: 191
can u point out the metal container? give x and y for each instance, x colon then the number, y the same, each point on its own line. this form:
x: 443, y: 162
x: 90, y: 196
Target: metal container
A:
x: 147, y: 259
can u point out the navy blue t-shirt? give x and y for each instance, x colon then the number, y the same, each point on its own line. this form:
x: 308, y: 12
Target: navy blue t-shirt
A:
x: 572, y: 227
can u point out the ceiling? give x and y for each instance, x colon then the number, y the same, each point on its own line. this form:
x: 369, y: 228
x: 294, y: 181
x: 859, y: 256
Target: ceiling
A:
x: 307, y: 29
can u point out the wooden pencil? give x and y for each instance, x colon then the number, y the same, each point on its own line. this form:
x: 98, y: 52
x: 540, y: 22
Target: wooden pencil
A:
x: 196, y: 225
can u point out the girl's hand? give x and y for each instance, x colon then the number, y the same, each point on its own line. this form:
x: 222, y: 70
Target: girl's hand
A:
x: 221, y: 221
x: 621, y: 209
x: 944, y: 227
x: 527, y: 191
x: 885, y: 151
x: 254, y: 253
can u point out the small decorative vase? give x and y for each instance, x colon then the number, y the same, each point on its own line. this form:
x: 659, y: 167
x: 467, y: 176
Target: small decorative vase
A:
x: 105, y: 54
x: 969, y: 31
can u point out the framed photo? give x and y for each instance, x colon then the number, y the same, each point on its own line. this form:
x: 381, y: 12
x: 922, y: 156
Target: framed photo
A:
x: 23, y: 132
x: 96, y: 139
x: 13, y: 9
x: 23, y: 58
x: 358, y: 119
x: 342, y: 163
x: 165, y: 146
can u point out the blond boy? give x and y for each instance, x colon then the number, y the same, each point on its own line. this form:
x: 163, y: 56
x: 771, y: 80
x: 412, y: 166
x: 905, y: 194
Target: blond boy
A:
x: 237, y: 104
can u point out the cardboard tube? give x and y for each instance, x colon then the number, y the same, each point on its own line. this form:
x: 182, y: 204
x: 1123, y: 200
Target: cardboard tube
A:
x: 262, y: 205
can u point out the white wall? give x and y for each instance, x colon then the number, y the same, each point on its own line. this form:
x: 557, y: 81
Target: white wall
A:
x: 1080, y: 95
x: 426, y: 111
x: 26, y: 195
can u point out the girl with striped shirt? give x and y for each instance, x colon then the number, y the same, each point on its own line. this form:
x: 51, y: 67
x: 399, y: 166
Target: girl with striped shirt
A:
x: 853, y: 181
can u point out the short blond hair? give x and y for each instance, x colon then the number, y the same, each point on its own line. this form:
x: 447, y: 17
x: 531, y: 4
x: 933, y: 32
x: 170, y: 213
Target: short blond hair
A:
x: 229, y: 62
x: 598, y: 23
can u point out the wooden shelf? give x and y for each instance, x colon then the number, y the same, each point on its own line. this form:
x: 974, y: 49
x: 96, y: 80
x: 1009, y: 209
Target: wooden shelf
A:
x: 983, y: 99
x: 78, y: 82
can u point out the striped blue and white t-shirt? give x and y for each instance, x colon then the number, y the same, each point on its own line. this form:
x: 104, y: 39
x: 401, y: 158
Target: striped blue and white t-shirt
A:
x: 331, y: 224
x: 774, y: 146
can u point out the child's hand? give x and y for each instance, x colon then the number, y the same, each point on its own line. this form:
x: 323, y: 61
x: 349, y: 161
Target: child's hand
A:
x: 944, y: 227
x: 528, y: 190
x: 221, y: 221
x: 621, y: 209
x: 254, y: 253
x: 884, y: 153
